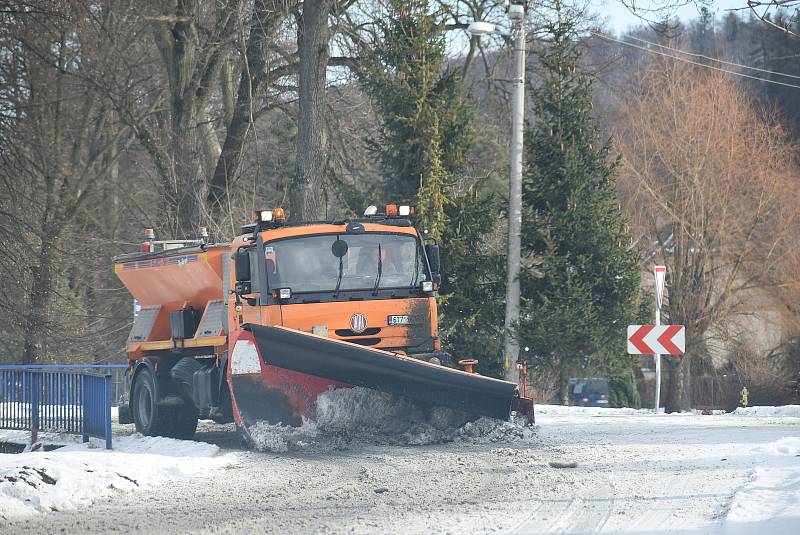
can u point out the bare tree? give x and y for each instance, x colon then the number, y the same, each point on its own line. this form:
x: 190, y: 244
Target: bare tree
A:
x: 201, y: 120
x: 60, y: 150
x: 256, y: 74
x: 709, y: 179
x: 313, y: 36
x: 766, y: 11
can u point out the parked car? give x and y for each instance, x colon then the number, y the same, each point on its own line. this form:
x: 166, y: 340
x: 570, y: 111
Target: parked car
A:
x: 589, y: 392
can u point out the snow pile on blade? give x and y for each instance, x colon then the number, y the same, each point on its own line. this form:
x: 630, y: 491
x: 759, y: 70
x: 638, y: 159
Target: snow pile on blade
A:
x: 352, y: 417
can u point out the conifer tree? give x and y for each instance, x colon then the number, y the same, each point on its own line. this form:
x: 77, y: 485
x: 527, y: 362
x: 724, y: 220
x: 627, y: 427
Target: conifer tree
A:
x: 425, y: 118
x: 580, y: 281
x: 426, y: 132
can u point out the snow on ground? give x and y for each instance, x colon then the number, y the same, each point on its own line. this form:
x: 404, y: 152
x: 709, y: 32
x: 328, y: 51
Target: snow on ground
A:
x: 770, y: 501
x: 782, y: 411
x: 365, y: 464
x: 561, y: 410
x: 720, y: 474
x: 78, y: 474
x: 45, y: 437
x: 22, y: 410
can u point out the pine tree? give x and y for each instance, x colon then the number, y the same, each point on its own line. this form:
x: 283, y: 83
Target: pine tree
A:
x: 580, y: 283
x: 426, y: 132
x: 425, y: 117
x: 473, y: 286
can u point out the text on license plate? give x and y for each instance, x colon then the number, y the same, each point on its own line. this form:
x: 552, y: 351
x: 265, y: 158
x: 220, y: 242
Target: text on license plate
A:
x: 398, y: 320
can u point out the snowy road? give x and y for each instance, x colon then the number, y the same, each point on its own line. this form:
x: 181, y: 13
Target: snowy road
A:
x: 636, y: 473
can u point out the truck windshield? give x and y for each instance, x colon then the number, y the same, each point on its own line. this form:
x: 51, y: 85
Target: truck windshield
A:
x: 371, y: 261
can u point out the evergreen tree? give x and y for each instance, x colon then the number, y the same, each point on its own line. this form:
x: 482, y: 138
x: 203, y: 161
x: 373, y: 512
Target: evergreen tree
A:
x: 425, y: 134
x: 702, y: 33
x: 776, y: 51
x: 580, y: 284
x: 426, y: 119
x: 473, y: 285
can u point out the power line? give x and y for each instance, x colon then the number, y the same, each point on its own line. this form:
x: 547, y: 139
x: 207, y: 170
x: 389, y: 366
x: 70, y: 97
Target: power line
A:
x: 686, y: 60
x: 767, y: 71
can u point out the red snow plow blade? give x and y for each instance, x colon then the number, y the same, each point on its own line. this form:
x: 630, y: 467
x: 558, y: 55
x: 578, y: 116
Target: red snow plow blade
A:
x: 276, y: 373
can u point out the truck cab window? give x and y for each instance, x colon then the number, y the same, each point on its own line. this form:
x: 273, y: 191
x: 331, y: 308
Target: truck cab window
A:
x: 307, y: 264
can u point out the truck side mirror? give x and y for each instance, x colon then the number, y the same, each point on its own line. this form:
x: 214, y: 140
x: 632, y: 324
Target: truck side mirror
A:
x: 242, y: 261
x: 432, y: 252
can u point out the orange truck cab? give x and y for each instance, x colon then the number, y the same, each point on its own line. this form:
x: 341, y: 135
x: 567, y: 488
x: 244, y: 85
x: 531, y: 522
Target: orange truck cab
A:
x: 256, y: 329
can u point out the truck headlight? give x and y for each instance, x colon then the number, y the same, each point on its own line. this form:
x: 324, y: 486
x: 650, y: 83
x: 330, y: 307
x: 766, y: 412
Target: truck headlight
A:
x: 285, y: 293
x: 426, y: 286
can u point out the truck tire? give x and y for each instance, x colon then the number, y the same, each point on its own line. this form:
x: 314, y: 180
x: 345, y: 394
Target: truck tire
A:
x: 154, y: 419
x: 144, y: 404
x: 184, y: 422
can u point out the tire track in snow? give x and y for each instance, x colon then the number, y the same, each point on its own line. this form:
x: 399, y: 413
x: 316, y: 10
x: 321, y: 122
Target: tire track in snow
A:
x: 671, y: 491
x: 586, y: 513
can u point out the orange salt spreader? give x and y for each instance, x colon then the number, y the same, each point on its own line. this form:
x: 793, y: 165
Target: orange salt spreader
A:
x: 254, y: 330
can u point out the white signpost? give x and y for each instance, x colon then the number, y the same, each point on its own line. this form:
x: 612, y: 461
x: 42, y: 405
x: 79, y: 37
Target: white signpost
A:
x: 657, y: 339
x: 660, y: 273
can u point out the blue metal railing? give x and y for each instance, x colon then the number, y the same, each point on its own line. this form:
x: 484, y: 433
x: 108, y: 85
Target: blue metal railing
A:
x: 97, y: 407
x: 34, y: 399
x: 118, y: 372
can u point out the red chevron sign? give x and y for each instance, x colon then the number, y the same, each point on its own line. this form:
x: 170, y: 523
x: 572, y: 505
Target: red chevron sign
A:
x: 656, y: 339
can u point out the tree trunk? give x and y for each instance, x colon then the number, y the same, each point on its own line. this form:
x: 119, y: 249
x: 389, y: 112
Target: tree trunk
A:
x: 563, y: 384
x: 228, y: 163
x: 678, y: 384
x: 188, y: 169
x: 209, y: 142
x: 187, y: 64
x: 36, y: 331
x: 265, y: 22
x: 305, y: 196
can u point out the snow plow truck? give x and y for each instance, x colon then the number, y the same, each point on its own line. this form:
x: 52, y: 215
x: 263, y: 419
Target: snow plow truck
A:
x: 255, y: 329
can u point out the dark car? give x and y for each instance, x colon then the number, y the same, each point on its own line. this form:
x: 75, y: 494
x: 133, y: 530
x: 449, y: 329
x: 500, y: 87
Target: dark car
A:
x: 591, y: 392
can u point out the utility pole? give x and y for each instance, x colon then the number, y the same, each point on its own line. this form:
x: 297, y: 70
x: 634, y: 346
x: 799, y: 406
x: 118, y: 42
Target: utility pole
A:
x: 516, y: 13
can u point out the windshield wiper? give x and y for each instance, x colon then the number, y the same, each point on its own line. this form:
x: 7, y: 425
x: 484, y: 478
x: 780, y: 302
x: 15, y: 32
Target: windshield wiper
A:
x: 380, y: 270
x: 339, y: 278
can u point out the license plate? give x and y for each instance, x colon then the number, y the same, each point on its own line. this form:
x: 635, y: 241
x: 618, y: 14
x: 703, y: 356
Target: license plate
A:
x: 398, y: 320
x: 320, y: 330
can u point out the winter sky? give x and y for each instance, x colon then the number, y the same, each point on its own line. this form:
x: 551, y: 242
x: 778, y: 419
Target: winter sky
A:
x: 619, y: 18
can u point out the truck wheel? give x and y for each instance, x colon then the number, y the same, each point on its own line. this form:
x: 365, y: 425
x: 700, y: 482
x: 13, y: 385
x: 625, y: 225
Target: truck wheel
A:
x: 152, y: 419
x: 144, y: 404
x: 184, y: 422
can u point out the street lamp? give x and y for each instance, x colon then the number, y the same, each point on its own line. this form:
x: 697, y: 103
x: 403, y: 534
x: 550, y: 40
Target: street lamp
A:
x: 516, y: 14
x: 479, y: 28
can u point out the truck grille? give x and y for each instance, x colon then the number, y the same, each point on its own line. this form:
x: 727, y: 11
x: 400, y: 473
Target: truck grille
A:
x: 363, y: 341
x: 370, y: 331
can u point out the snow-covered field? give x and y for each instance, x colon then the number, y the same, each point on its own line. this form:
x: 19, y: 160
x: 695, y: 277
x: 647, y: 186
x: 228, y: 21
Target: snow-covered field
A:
x: 634, y: 472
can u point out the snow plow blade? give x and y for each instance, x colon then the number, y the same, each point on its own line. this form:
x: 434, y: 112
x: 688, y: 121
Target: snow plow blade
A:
x: 388, y: 372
